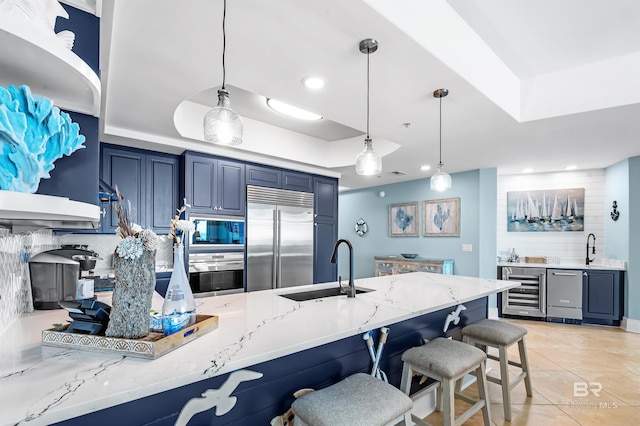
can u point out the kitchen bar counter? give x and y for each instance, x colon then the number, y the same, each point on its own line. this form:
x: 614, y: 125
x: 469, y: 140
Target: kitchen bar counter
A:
x: 598, y: 264
x: 42, y: 385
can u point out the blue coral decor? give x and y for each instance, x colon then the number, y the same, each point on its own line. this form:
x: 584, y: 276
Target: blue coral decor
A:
x: 33, y: 135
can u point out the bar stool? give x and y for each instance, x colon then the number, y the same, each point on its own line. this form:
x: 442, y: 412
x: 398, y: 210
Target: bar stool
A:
x: 358, y: 400
x: 448, y: 361
x: 501, y: 335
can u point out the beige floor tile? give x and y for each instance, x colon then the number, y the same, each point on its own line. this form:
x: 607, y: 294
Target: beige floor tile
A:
x: 559, y: 356
x: 598, y: 415
x: 532, y: 415
x: 625, y: 387
x: 566, y: 388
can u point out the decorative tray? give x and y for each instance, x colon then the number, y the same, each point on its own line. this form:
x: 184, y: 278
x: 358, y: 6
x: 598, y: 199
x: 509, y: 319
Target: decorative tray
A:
x: 153, y: 346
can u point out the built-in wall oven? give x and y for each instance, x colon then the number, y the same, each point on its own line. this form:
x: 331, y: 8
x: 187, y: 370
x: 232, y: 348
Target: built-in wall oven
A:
x: 211, y: 274
x: 529, y: 299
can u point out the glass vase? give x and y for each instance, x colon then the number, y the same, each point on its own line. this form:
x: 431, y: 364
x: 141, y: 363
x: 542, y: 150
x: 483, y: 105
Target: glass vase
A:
x: 179, y: 307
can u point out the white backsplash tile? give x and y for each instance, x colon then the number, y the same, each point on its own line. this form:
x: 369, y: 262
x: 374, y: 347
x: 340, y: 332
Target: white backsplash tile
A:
x: 15, y: 286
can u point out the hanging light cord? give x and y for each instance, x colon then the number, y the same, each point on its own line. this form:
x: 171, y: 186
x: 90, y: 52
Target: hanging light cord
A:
x: 368, y: 54
x: 224, y: 41
x: 440, y: 132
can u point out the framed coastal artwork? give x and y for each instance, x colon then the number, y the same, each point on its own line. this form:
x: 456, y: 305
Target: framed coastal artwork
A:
x: 548, y: 210
x: 441, y: 217
x: 403, y: 220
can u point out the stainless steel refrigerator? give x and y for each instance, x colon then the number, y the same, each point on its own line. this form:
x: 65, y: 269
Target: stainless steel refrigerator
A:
x: 279, y: 238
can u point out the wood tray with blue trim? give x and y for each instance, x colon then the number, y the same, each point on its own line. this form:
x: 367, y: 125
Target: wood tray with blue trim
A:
x: 153, y: 346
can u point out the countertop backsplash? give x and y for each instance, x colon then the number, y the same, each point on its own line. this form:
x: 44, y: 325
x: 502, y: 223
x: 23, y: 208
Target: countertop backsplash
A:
x: 105, y: 246
x: 15, y: 286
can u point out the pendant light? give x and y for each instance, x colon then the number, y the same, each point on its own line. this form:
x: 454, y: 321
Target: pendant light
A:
x: 222, y: 125
x: 368, y: 162
x: 441, y: 181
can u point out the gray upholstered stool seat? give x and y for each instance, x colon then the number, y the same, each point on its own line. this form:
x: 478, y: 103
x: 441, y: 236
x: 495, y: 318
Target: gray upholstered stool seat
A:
x: 501, y: 335
x: 448, y: 361
x: 495, y: 331
x: 359, y: 399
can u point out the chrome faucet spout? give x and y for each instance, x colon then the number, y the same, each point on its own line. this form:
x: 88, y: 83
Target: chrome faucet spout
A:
x: 593, y: 248
x: 334, y: 258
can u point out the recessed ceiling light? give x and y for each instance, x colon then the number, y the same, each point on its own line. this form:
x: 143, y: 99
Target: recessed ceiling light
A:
x: 313, y: 82
x: 425, y: 167
x: 571, y: 167
x: 291, y: 111
x: 527, y: 170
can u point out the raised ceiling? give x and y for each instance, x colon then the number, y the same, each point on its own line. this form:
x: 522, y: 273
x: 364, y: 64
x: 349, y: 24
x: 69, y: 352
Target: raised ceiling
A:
x: 540, y: 84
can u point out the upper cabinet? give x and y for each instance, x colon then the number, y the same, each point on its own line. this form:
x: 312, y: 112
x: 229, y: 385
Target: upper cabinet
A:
x: 325, y: 192
x: 33, y: 58
x: 148, y: 182
x: 271, y: 177
x: 214, y: 186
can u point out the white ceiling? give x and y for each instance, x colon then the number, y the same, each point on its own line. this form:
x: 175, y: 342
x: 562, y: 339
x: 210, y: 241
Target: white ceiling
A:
x: 542, y: 84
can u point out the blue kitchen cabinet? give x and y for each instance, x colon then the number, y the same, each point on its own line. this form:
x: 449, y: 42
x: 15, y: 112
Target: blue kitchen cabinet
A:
x: 325, y: 235
x: 271, y: 177
x: 295, y: 181
x: 268, y: 177
x: 325, y: 224
x: 148, y: 182
x: 602, y: 297
x: 214, y: 186
x: 162, y: 282
x: 162, y: 191
x: 325, y: 191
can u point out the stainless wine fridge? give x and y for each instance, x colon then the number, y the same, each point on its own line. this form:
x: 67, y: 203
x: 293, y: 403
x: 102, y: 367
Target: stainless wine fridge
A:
x: 529, y: 299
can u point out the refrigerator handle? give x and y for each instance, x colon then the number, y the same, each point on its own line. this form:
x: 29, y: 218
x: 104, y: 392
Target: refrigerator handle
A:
x: 274, y: 278
x: 276, y: 258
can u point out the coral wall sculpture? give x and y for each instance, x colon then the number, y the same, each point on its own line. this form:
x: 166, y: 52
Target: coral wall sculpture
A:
x: 33, y: 134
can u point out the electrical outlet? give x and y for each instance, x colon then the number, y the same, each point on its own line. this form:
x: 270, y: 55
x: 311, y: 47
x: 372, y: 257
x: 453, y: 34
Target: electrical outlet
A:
x: 467, y: 247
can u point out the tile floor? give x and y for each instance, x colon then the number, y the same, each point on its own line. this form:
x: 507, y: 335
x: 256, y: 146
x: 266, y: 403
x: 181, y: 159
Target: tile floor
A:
x: 561, y: 355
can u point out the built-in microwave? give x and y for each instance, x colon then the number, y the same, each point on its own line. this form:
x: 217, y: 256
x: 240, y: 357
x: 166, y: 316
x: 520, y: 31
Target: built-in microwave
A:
x: 217, y: 232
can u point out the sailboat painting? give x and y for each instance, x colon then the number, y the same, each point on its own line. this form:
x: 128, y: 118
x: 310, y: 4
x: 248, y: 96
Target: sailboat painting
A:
x: 551, y: 210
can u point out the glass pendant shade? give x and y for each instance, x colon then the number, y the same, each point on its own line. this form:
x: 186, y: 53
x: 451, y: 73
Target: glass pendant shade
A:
x: 441, y: 181
x: 222, y: 125
x: 368, y: 162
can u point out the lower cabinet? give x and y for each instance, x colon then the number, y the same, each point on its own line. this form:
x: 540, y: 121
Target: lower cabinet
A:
x: 602, y: 296
x: 162, y: 282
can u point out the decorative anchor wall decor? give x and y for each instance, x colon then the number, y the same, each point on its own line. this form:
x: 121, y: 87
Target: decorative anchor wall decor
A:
x: 615, y: 213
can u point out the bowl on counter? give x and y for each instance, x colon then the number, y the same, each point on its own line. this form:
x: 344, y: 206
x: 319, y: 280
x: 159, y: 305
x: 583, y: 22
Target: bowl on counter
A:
x: 409, y: 255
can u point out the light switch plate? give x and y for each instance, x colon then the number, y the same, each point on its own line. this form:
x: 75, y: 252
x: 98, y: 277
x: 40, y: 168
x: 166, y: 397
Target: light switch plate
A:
x: 467, y: 247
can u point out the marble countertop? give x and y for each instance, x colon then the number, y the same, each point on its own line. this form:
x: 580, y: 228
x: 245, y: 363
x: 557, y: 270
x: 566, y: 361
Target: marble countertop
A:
x: 42, y: 385
x: 598, y: 264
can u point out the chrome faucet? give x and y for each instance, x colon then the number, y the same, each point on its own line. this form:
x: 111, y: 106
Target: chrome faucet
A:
x: 593, y: 248
x: 351, y: 292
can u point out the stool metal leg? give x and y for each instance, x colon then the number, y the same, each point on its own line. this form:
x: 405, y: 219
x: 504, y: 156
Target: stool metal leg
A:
x: 524, y: 362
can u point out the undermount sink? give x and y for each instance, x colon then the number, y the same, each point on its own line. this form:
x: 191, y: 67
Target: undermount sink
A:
x: 301, y: 296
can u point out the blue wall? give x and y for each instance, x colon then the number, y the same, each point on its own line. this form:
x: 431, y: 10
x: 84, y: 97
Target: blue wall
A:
x: 477, y: 192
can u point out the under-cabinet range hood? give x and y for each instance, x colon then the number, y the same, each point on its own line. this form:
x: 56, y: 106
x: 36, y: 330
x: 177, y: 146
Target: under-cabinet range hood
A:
x: 22, y: 211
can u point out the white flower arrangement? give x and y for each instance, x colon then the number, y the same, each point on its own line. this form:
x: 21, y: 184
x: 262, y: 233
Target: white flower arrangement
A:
x: 135, y: 239
x: 180, y: 227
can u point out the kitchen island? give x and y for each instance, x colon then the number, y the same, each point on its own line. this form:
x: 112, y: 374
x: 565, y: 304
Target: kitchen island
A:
x: 290, y: 345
